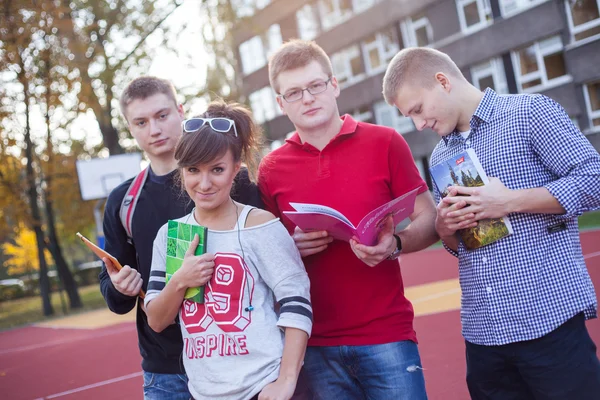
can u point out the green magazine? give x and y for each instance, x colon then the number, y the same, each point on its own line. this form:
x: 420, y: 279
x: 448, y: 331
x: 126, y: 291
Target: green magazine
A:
x: 179, y: 237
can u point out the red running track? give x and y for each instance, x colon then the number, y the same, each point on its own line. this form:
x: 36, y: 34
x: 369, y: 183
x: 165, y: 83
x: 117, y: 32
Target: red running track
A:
x: 69, y: 364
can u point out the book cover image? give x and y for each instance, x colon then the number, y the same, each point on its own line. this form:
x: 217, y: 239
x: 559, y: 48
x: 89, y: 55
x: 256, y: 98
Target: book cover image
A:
x: 179, y: 237
x: 464, y: 169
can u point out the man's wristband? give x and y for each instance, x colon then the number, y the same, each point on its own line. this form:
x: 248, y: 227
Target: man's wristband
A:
x: 396, y: 253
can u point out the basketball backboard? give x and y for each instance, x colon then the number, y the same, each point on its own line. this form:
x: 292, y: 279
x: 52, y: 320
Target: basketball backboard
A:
x: 98, y: 176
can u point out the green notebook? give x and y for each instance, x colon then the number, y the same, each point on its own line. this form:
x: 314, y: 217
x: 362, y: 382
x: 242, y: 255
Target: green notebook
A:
x: 179, y: 237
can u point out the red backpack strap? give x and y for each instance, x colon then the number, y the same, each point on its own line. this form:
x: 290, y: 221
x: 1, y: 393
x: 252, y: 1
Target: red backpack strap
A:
x: 130, y: 201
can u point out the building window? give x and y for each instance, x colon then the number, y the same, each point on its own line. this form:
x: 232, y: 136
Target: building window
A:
x: 584, y: 18
x: 540, y: 64
x: 474, y: 14
x: 308, y: 22
x: 490, y: 74
x: 334, y: 12
x: 247, y: 8
x: 387, y: 115
x: 417, y: 31
x: 362, y: 5
x: 511, y: 7
x: 591, y: 92
x: 348, y: 66
x: 363, y: 114
x: 255, y: 52
x: 263, y: 104
x: 379, y: 49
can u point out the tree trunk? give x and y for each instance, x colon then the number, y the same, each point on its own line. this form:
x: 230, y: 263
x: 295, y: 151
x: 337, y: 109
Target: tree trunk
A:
x: 35, y: 210
x: 64, y: 273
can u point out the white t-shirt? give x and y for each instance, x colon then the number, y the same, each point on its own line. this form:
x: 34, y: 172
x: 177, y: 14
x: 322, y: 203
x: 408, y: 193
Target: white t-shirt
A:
x: 231, y: 352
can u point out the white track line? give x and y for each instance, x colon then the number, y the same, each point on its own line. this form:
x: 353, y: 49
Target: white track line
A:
x: 596, y: 254
x: 92, y: 386
x: 62, y: 341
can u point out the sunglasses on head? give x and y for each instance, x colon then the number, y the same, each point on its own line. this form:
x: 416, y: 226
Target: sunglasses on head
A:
x: 222, y: 125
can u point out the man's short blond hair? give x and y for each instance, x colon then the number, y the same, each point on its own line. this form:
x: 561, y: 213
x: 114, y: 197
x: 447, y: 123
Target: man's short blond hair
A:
x: 417, y: 65
x: 294, y: 54
x: 143, y: 87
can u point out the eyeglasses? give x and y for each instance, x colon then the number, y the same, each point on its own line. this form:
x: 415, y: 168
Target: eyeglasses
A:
x: 222, y: 125
x: 296, y: 94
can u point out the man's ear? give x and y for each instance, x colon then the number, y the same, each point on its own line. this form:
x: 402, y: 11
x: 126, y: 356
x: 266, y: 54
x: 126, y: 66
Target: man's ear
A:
x: 280, y: 103
x: 180, y: 111
x: 336, y: 86
x: 444, y: 81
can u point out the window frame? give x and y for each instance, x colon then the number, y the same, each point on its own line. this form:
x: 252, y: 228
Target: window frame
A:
x: 591, y: 114
x: 409, y: 27
x: 576, y: 30
x: 522, y: 5
x: 351, y: 79
x: 401, y: 124
x: 541, y: 73
x: 268, y: 112
x: 315, y: 14
x: 329, y: 20
x: 266, y: 48
x: 484, y: 9
x: 380, y: 45
x: 493, y: 67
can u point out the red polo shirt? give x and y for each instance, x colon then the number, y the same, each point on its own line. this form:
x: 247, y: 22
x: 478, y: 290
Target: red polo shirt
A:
x: 363, y: 167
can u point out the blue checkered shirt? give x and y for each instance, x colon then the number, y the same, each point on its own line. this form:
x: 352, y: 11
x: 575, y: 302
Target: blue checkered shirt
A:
x: 529, y: 283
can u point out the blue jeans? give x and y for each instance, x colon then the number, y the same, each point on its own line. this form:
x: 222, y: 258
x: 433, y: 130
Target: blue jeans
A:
x: 165, y: 387
x: 375, y: 372
x: 561, y: 365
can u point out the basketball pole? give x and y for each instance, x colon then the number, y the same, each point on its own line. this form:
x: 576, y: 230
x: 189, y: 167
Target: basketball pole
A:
x: 98, y: 219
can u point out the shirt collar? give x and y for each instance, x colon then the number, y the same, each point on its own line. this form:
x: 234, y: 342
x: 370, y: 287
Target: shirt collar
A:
x: 349, y: 126
x: 483, y: 113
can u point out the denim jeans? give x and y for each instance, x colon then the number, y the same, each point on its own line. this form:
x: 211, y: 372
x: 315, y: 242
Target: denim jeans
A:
x: 561, y: 365
x: 375, y: 372
x: 165, y: 387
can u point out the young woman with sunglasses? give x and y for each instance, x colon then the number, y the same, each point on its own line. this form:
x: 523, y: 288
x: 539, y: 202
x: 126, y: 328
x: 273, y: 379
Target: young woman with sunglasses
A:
x: 235, y: 345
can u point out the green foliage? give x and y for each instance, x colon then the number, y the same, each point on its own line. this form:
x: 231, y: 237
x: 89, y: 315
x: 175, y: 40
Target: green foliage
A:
x: 590, y: 220
x: 171, y: 247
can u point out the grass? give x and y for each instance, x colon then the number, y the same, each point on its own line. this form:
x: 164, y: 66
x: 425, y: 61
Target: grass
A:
x: 590, y: 220
x: 28, y: 310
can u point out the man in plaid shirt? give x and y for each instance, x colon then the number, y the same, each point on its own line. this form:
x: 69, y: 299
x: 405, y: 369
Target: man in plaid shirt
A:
x: 525, y: 298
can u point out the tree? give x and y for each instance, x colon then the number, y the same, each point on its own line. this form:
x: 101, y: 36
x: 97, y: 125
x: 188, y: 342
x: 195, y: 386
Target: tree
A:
x: 223, y: 78
x: 18, y: 35
x: 22, y: 253
x: 105, y: 39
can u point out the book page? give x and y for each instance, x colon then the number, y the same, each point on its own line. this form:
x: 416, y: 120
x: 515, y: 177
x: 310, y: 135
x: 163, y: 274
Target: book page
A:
x: 320, y: 209
x: 310, y: 222
x: 400, y: 207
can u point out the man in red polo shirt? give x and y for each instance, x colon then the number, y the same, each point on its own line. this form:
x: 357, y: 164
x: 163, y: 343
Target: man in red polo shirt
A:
x: 363, y: 344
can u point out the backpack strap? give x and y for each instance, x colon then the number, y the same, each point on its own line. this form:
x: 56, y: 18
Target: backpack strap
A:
x: 130, y: 201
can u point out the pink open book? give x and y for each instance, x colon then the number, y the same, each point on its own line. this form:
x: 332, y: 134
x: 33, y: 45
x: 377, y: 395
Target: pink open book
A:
x: 315, y: 217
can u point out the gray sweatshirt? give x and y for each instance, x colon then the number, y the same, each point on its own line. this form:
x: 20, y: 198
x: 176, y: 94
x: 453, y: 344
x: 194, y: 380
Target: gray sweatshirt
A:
x: 232, y: 351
